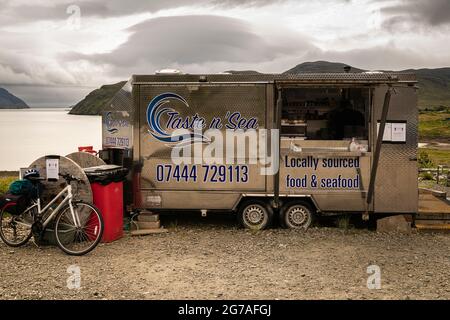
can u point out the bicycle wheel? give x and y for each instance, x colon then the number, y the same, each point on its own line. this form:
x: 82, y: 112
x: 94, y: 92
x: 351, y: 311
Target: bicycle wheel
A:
x: 15, y: 230
x: 80, y: 240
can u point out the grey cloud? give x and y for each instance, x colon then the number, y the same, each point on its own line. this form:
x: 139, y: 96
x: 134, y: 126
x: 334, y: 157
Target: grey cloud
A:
x: 11, y: 14
x: 415, y: 13
x: 118, y: 7
x: 25, y: 69
x: 48, y: 96
x: 187, y: 40
x: 52, y: 10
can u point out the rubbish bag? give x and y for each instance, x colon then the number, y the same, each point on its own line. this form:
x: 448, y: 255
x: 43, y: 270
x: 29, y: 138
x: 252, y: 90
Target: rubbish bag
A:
x: 106, y: 174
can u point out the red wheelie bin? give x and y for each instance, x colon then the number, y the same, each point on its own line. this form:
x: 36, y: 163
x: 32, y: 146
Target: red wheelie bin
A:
x: 107, y: 189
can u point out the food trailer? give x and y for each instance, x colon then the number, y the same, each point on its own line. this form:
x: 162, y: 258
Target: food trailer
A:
x: 318, y: 151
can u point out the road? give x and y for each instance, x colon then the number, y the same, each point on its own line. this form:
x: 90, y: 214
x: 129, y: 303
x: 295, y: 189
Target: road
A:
x: 212, y: 259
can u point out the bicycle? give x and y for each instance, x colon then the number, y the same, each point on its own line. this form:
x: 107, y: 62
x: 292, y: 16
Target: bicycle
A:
x: 78, y: 225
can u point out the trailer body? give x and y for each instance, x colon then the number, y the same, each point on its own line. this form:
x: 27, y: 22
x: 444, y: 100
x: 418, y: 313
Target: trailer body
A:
x: 312, y: 165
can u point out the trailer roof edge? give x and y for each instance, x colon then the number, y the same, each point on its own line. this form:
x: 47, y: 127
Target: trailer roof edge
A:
x: 329, y: 78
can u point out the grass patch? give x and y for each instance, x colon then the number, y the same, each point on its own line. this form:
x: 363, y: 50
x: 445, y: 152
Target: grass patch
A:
x: 434, y: 125
x: 5, y: 182
x: 438, y: 156
x: 427, y: 184
x: 426, y: 176
x: 343, y: 221
x: 425, y: 160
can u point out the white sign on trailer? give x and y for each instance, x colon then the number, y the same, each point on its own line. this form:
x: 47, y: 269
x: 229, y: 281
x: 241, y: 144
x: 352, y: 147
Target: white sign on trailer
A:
x: 399, y: 132
x: 394, y: 131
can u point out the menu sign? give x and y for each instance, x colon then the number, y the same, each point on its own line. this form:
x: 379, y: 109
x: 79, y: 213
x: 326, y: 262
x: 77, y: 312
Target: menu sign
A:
x: 394, y: 132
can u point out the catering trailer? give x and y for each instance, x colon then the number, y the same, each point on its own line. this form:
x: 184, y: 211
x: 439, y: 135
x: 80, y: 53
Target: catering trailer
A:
x: 267, y: 146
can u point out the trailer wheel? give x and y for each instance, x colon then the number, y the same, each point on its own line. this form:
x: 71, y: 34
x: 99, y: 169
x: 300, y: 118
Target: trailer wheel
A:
x: 255, y: 215
x: 297, y: 215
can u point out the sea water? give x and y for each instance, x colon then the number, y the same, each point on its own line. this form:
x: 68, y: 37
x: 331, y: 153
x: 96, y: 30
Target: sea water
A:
x: 28, y: 134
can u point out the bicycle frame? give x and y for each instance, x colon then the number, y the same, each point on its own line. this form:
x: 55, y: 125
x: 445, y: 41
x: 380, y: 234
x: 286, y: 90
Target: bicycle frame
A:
x: 67, y: 199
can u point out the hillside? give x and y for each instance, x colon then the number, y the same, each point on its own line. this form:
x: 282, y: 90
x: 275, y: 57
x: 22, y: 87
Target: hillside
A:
x: 434, y: 126
x: 243, y: 72
x: 434, y: 87
x: 320, y: 67
x: 10, y: 101
x: 95, y: 101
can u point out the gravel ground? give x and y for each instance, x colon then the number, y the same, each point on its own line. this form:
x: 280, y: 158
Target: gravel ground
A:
x: 212, y: 259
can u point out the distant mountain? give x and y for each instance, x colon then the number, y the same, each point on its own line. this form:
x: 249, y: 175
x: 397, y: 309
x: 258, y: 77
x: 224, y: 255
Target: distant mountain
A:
x: 320, y: 67
x: 243, y: 72
x: 10, y: 101
x: 434, y: 87
x: 97, y: 100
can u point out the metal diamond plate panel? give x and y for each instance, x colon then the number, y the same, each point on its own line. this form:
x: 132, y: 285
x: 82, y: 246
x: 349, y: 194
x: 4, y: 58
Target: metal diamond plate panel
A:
x: 396, y: 182
x: 122, y: 100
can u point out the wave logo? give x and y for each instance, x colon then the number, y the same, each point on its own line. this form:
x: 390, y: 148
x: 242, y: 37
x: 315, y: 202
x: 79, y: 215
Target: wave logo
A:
x: 155, y: 111
x: 110, y: 123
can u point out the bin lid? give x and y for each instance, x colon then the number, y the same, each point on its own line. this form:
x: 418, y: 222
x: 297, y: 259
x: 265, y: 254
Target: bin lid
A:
x: 102, y: 168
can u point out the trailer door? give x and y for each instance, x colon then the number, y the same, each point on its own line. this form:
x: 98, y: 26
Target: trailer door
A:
x: 396, y: 181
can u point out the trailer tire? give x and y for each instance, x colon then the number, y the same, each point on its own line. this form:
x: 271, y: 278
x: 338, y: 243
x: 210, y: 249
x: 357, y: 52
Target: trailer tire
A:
x: 255, y: 215
x: 297, y: 215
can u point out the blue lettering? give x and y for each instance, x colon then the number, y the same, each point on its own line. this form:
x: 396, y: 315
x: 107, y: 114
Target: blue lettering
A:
x: 236, y: 121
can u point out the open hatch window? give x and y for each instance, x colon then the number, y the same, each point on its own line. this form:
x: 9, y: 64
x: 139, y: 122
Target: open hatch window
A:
x: 325, y: 113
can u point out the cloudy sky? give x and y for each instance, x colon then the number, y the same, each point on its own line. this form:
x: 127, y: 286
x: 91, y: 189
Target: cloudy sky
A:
x: 54, y: 52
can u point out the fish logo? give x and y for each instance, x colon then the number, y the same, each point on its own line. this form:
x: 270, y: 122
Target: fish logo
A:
x: 109, y: 122
x: 157, y: 108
